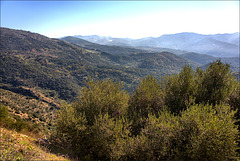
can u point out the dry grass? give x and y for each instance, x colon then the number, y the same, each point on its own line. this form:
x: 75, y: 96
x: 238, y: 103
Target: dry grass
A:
x: 17, y: 146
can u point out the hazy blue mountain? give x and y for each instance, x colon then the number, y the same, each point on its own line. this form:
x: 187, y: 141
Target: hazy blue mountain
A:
x: 106, y: 40
x: 213, y: 47
x: 219, y: 45
x: 157, y: 49
x: 115, y: 50
x: 173, y: 41
x: 230, y: 38
x: 106, y: 45
x: 206, y: 59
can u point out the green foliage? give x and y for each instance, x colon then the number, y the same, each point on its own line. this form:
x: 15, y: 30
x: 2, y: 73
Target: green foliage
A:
x: 179, y: 89
x: 107, y: 137
x: 234, y: 101
x: 93, y: 126
x: 234, y: 98
x: 215, y: 83
x: 147, y: 99
x: 156, y: 139
x: 15, y: 123
x: 3, y: 112
x: 207, y: 133
x: 102, y: 97
x: 211, y: 86
x: 201, y: 132
x: 104, y: 140
x: 71, y: 128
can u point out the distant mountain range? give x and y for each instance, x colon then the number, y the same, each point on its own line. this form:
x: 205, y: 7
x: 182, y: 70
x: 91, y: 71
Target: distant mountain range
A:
x: 115, y: 50
x: 206, y: 59
x: 219, y: 45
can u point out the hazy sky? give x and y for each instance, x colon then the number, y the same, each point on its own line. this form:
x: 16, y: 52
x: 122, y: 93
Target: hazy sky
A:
x: 133, y: 19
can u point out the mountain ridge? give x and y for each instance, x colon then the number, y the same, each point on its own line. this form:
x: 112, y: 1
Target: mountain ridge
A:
x: 181, y: 41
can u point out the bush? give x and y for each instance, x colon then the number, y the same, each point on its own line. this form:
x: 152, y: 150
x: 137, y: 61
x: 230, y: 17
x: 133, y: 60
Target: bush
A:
x: 102, y: 98
x: 201, y: 132
x: 71, y: 127
x: 179, y: 89
x: 234, y: 97
x: 147, y: 99
x: 103, y: 140
x: 3, y: 113
x: 207, y: 133
x: 215, y: 84
x: 93, y: 126
x: 155, y: 141
x: 107, y: 138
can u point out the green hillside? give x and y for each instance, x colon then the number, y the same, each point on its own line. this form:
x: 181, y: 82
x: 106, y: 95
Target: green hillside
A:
x: 60, y: 68
x: 38, y: 73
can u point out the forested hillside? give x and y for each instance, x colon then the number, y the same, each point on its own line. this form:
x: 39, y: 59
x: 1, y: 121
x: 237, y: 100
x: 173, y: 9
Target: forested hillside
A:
x: 29, y: 59
x: 39, y: 73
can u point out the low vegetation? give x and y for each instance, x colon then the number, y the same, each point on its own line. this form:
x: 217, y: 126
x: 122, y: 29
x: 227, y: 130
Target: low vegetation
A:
x: 189, y: 116
x: 17, y: 146
x: 19, y: 139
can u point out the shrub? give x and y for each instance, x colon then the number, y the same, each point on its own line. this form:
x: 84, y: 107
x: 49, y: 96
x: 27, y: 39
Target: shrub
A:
x: 94, y: 126
x: 3, y: 113
x: 107, y: 137
x: 102, y: 97
x: 179, y: 89
x: 71, y: 128
x: 207, y: 133
x: 215, y: 84
x: 156, y: 139
x: 147, y: 99
x: 234, y: 97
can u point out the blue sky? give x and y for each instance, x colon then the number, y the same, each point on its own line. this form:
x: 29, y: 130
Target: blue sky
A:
x: 133, y: 19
